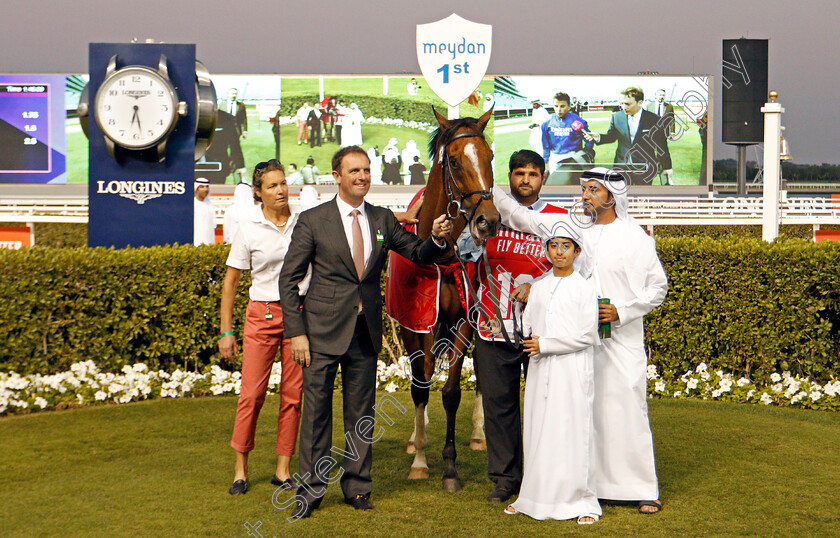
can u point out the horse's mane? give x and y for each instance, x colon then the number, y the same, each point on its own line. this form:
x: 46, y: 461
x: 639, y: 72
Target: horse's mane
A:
x: 441, y: 135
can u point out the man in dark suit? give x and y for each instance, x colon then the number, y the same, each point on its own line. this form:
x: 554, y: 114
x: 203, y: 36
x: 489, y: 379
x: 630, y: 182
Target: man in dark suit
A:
x: 642, y: 151
x: 224, y: 156
x: 664, y: 109
x: 346, y: 242
x: 237, y: 109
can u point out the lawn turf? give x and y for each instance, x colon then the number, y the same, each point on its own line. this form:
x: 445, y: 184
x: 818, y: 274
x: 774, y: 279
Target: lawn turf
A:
x: 162, y: 468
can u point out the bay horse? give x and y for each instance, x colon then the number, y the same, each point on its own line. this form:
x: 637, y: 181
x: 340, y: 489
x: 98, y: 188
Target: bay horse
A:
x: 459, y: 185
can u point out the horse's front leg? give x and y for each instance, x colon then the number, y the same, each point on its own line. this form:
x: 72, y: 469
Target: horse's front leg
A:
x: 417, y: 346
x: 451, y: 401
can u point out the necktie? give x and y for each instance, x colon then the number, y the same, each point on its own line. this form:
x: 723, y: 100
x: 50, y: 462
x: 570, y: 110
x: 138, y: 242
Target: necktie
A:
x: 661, y: 110
x: 358, y: 244
x: 358, y: 248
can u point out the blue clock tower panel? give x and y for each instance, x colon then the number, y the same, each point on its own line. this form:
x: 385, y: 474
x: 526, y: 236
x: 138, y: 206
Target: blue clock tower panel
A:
x: 135, y: 200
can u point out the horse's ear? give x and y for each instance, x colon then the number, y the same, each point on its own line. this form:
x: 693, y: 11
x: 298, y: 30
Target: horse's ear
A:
x: 443, y: 122
x: 482, y: 121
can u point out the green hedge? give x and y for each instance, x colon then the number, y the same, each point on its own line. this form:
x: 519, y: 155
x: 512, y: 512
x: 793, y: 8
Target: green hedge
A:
x: 740, y: 305
x: 378, y: 107
x: 157, y: 305
x: 746, y: 306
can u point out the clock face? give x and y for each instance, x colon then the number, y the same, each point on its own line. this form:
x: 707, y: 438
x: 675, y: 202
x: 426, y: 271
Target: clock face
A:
x: 136, y: 107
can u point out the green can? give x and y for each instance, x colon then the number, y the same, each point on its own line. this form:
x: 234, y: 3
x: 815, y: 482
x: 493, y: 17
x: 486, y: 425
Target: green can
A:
x: 604, y: 330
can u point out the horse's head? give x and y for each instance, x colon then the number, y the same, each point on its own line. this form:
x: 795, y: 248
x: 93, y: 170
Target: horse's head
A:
x: 460, y: 151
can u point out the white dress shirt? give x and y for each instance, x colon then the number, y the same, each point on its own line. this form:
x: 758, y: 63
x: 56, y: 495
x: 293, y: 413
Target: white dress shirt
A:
x: 633, y: 123
x: 346, y: 210
x: 261, y: 246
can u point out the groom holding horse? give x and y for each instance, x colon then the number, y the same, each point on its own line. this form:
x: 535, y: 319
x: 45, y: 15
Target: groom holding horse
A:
x: 515, y: 259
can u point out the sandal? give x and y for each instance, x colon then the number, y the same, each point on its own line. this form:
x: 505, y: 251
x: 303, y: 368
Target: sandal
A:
x: 655, y: 504
x: 510, y: 510
x: 594, y: 517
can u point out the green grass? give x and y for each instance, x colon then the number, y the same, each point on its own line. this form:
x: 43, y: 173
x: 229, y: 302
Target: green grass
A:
x: 162, y: 468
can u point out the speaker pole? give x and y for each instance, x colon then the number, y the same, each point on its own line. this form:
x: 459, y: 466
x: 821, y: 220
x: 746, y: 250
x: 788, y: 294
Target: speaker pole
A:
x: 772, y: 166
x: 742, y: 170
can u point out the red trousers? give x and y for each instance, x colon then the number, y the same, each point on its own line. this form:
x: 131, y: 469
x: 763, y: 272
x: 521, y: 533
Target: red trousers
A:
x: 259, y: 349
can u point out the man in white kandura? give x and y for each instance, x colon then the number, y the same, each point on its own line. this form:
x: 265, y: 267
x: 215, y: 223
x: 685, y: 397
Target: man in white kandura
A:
x: 627, y: 271
x: 204, y: 214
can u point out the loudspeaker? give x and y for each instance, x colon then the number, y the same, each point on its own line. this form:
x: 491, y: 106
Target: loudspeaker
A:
x: 744, y: 84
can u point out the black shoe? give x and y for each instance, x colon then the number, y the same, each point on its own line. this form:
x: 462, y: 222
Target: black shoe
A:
x: 287, y: 484
x: 360, y: 502
x: 240, y: 487
x: 302, y: 510
x: 499, y: 495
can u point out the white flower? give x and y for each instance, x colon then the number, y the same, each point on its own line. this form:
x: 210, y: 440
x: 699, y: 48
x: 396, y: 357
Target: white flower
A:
x: 704, y: 375
x: 678, y: 394
x: 391, y: 387
x: 750, y: 394
x: 471, y: 379
x: 716, y: 393
x: 659, y: 386
x: 701, y: 367
x: 743, y: 382
x: 766, y: 399
x: 816, y: 395
x: 100, y: 396
x: 775, y: 378
x: 651, y: 372
x: 692, y: 384
x: 798, y: 397
x: 777, y: 387
x: 42, y: 403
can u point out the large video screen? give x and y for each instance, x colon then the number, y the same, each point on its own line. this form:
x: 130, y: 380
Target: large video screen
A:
x: 651, y: 128
x: 32, y: 135
x: 304, y: 119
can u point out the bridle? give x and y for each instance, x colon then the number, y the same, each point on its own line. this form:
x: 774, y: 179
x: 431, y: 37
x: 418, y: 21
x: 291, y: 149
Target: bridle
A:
x: 450, y: 186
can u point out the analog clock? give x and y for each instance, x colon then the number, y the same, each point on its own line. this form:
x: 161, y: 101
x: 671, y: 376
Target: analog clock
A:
x: 137, y: 107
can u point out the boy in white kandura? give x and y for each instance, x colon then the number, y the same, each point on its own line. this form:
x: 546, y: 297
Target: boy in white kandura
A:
x: 562, y: 319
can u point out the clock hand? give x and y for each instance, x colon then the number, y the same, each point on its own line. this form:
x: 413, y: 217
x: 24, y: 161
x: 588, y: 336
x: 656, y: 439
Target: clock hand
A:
x: 136, y: 117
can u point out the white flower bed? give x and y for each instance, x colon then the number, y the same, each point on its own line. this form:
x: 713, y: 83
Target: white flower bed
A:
x: 84, y: 384
x: 783, y: 389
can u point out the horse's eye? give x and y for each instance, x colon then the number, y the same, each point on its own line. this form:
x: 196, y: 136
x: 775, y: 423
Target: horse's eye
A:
x: 453, y: 163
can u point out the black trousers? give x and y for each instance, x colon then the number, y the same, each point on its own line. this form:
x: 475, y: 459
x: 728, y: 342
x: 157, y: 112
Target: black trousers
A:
x: 499, y: 370
x: 321, y: 460
x: 315, y: 135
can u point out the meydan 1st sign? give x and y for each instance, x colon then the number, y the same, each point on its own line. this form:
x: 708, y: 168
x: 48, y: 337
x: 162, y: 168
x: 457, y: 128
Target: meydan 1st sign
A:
x: 453, y: 54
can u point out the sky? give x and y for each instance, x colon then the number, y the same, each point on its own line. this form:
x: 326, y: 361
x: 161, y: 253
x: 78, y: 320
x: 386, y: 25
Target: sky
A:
x: 529, y: 37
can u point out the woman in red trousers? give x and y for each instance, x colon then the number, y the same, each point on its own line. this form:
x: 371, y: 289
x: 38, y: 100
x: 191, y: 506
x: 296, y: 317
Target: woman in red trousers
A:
x: 260, y: 245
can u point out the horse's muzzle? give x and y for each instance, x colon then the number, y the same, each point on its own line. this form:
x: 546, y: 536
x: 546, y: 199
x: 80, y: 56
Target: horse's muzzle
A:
x: 486, y: 226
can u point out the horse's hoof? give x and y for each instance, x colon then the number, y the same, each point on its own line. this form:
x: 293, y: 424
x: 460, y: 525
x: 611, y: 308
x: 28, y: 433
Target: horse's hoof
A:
x: 478, y: 444
x: 452, y: 484
x: 418, y: 473
x: 410, y: 449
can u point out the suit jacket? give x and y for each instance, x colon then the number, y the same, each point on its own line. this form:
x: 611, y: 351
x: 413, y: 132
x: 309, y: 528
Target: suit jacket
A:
x: 668, y: 115
x: 649, y: 147
x: 330, y: 307
x: 224, y: 150
x: 240, y: 116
